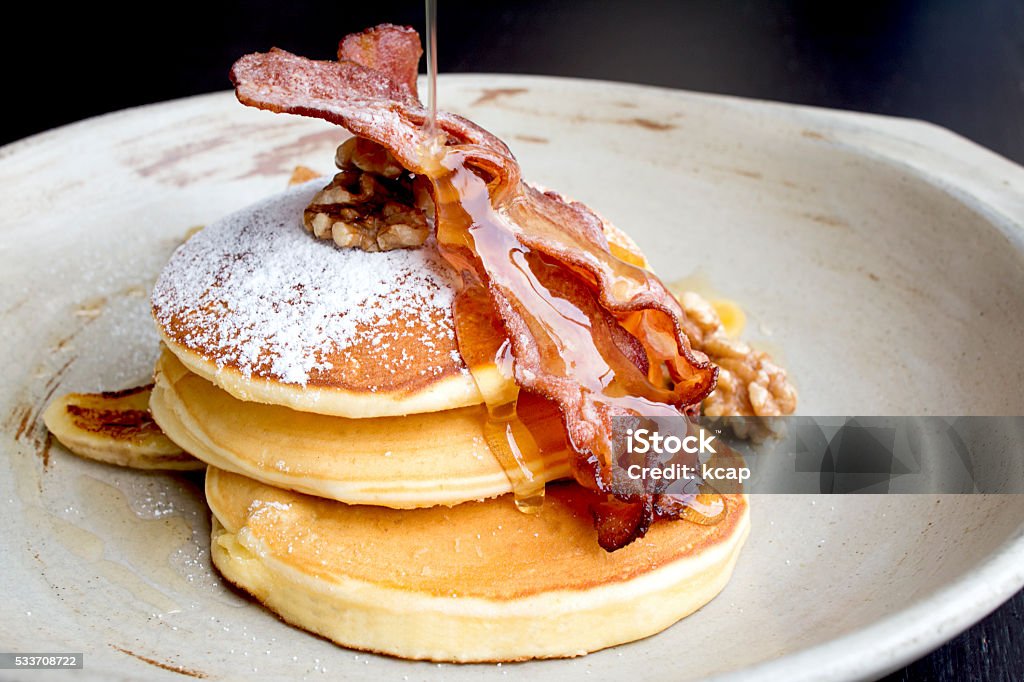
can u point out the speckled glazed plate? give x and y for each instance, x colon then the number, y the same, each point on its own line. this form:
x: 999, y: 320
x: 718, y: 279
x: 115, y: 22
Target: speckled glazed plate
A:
x: 882, y: 259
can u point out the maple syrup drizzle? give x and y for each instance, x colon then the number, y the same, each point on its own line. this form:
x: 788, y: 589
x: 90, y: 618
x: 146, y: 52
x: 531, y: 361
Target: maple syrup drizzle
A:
x: 706, y: 508
x: 512, y: 444
x: 471, y: 235
x: 483, y: 346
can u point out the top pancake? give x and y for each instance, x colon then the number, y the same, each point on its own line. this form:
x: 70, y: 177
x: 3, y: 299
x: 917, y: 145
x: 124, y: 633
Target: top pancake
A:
x: 259, y: 307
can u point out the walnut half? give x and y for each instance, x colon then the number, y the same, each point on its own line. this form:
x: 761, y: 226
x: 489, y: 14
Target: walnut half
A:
x: 370, y: 204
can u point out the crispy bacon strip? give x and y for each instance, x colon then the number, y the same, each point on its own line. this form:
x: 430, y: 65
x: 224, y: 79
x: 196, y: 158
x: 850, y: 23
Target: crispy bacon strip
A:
x: 386, y: 49
x: 376, y: 105
x: 371, y: 92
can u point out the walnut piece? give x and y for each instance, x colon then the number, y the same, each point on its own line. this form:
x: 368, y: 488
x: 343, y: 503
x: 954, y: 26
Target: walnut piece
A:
x: 371, y: 204
x: 749, y: 383
x: 302, y: 174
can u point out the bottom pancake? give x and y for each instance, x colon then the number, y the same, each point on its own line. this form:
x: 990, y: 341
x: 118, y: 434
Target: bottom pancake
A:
x: 477, y: 582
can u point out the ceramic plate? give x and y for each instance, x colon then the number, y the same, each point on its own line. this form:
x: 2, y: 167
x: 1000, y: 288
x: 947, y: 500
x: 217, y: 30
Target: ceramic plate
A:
x: 881, y: 259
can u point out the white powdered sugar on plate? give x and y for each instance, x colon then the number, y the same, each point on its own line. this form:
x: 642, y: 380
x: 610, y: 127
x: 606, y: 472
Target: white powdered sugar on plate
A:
x: 257, y: 291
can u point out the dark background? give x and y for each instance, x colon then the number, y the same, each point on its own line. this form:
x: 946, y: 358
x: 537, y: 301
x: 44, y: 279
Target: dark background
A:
x: 957, y: 64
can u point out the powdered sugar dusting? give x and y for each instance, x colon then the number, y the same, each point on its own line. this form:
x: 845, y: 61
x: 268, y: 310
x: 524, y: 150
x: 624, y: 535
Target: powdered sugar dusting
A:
x: 256, y: 291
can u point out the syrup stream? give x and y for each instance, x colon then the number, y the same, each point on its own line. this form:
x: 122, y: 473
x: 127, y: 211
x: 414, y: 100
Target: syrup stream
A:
x: 432, y: 68
x: 469, y: 235
x: 506, y: 435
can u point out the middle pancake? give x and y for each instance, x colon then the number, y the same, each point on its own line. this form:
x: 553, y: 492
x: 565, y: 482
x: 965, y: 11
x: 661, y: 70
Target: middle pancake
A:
x: 420, y: 460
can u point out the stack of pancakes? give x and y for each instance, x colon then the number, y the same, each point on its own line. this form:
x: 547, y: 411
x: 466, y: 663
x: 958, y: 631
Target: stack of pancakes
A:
x: 352, y: 489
